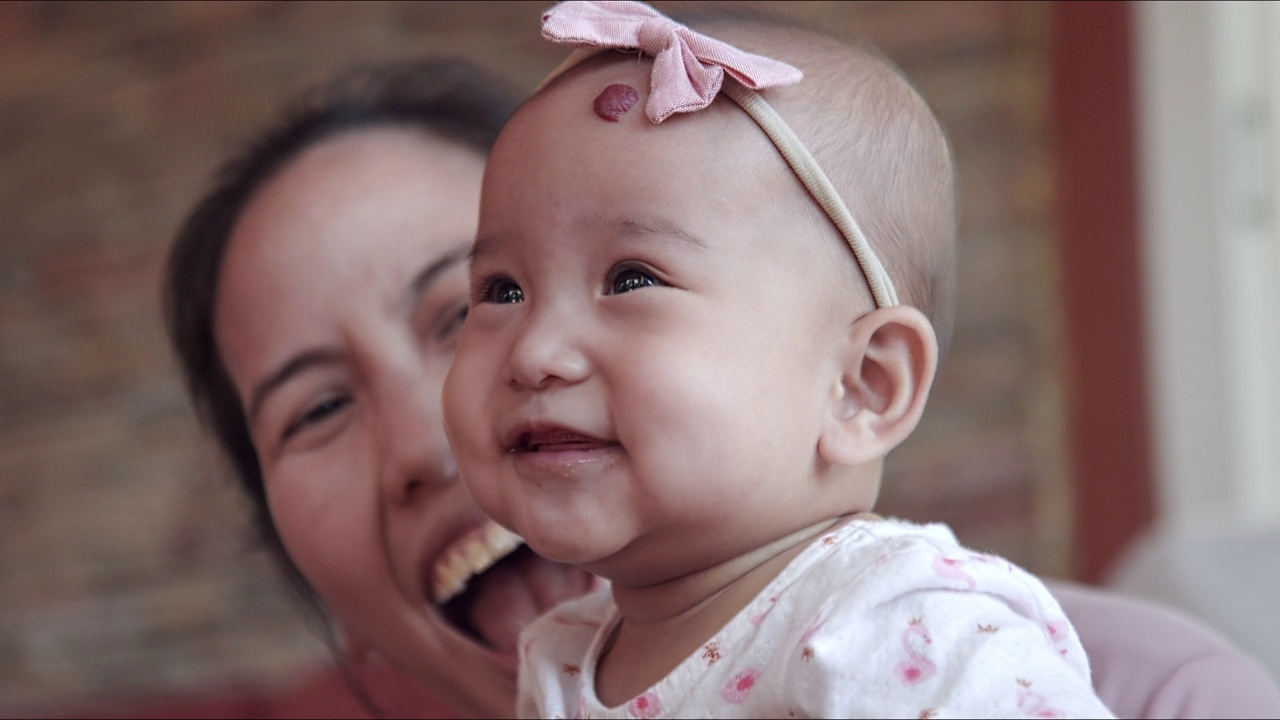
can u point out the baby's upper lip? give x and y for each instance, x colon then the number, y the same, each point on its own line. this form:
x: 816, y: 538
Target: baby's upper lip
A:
x: 534, y: 436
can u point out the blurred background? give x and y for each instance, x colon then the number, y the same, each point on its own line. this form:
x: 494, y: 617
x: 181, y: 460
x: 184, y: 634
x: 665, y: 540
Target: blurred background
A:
x: 1109, y: 411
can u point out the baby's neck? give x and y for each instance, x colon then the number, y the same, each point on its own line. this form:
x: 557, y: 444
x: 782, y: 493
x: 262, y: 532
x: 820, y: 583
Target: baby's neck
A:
x: 663, y: 624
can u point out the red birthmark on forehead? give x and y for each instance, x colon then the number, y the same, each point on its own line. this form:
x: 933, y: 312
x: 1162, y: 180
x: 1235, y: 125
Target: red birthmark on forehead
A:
x: 614, y: 101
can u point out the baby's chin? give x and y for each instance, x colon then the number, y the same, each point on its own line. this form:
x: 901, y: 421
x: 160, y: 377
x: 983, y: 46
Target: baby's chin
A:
x: 500, y: 602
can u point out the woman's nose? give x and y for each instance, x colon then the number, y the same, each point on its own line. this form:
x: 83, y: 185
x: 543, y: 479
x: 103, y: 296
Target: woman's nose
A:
x: 549, y: 350
x: 415, y: 453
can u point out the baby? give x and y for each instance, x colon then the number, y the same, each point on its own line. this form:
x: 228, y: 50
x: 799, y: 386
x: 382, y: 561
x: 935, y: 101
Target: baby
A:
x: 685, y: 362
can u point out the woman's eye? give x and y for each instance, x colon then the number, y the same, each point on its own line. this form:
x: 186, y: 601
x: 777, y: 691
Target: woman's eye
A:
x: 630, y: 279
x: 316, y: 414
x: 451, y: 323
x: 502, y: 292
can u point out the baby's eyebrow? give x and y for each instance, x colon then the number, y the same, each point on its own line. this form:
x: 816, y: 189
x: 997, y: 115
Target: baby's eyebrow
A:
x: 630, y: 227
x: 482, y: 245
x: 624, y: 228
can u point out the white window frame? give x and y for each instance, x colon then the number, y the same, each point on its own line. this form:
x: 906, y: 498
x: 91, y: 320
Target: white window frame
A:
x: 1208, y: 91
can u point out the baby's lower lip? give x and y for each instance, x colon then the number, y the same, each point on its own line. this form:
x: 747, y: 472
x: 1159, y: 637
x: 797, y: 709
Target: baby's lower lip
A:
x: 566, y: 457
x: 567, y: 450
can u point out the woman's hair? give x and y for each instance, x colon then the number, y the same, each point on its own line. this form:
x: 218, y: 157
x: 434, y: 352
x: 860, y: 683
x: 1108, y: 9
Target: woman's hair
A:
x: 448, y: 98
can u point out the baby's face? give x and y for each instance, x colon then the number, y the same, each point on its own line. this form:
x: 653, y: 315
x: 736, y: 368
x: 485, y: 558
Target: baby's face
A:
x: 642, y: 378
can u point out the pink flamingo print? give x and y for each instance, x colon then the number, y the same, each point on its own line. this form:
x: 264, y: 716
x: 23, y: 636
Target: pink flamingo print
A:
x: 645, y: 706
x: 916, y: 668
x: 760, y: 616
x: 812, y: 630
x: 1033, y: 704
x: 739, y: 686
x: 953, y: 570
x: 993, y: 561
x: 1059, y: 630
x: 1022, y: 607
x: 806, y: 651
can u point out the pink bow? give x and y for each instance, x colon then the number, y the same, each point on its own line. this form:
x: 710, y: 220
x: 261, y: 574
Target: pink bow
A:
x: 688, y: 67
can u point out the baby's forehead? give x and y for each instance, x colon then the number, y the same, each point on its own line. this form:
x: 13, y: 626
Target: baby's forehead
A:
x: 834, y: 86
x: 711, y: 177
x: 597, y: 91
x: 593, y: 118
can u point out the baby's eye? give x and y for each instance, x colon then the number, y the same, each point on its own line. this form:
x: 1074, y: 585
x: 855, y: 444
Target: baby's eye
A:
x: 501, y: 291
x: 629, y: 279
x: 316, y: 414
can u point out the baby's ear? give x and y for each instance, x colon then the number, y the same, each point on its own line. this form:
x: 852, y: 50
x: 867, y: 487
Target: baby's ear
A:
x: 888, y: 359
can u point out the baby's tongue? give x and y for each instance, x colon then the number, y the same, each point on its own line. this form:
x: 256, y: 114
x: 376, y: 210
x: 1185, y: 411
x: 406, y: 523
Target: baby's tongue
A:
x: 515, y: 591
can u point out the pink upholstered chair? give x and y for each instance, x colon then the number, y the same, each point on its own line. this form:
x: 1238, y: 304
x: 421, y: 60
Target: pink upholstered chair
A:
x: 1151, y: 662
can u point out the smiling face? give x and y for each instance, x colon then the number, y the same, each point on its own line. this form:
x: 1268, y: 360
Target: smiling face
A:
x: 641, y: 384
x: 339, y: 304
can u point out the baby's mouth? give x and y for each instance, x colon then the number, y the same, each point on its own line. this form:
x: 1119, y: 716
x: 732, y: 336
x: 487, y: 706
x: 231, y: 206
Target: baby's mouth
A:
x: 555, y: 440
x: 490, y: 586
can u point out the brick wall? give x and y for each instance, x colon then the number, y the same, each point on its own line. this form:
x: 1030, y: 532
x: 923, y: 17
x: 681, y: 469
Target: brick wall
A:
x: 125, y: 564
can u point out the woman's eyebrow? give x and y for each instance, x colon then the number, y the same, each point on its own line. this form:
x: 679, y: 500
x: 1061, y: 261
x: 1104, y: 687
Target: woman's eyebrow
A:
x: 297, y: 364
x: 429, y: 274
x: 322, y: 356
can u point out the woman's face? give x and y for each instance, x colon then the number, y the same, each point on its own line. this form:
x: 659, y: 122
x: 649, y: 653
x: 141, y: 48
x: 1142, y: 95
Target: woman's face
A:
x: 340, y: 298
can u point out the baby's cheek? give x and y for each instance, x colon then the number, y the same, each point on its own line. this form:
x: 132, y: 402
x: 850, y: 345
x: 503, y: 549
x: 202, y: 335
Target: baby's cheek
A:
x: 460, y: 409
x: 477, y: 458
x: 494, y: 498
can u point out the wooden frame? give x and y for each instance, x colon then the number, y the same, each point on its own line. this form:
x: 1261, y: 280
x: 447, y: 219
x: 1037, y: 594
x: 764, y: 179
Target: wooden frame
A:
x: 1092, y: 115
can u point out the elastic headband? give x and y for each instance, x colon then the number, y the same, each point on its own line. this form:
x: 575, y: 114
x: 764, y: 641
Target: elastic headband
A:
x: 689, y: 70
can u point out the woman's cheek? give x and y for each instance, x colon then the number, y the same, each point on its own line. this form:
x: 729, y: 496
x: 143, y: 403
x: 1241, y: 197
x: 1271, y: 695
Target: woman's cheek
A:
x: 323, y: 516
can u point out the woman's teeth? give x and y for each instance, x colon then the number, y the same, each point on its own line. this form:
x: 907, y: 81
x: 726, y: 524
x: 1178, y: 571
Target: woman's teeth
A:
x: 469, y: 556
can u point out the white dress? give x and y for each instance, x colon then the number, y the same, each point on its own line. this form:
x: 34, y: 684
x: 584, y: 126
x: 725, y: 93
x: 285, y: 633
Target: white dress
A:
x: 875, y: 619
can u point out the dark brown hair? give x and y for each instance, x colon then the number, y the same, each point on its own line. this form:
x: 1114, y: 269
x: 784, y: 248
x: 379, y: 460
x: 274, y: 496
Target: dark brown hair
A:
x: 448, y: 98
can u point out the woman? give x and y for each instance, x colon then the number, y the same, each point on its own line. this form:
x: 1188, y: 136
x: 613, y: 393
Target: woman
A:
x: 313, y: 298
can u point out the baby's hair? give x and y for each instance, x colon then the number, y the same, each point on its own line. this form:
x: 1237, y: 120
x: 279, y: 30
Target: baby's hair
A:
x: 876, y: 138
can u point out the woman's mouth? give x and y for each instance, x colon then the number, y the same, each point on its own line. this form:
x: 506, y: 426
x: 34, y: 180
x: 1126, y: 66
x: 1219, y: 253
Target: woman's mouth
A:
x: 499, y: 586
x: 469, y: 556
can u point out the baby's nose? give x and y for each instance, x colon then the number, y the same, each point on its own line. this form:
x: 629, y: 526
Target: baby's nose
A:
x: 548, y: 350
